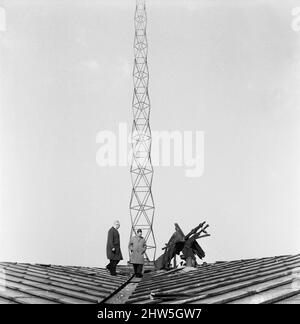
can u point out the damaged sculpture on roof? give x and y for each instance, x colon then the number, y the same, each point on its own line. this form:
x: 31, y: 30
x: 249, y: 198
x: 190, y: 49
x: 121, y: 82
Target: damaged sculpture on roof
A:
x: 186, y: 246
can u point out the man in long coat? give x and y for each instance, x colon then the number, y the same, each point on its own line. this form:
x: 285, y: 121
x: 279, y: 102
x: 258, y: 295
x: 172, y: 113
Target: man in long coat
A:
x: 137, y: 247
x: 113, y: 249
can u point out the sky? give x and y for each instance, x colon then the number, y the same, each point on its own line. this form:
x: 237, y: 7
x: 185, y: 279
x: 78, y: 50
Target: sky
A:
x: 229, y: 69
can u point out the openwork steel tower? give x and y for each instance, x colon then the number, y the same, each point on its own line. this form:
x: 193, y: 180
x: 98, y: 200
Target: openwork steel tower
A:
x: 141, y: 202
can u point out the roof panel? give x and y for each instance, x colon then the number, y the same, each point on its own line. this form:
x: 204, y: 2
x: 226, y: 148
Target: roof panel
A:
x: 264, y: 280
x: 37, y: 283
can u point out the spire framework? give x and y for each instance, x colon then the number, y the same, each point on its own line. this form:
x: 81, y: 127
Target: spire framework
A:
x: 141, y: 203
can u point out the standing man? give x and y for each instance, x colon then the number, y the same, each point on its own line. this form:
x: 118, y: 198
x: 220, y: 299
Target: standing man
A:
x: 113, y: 250
x: 137, y: 247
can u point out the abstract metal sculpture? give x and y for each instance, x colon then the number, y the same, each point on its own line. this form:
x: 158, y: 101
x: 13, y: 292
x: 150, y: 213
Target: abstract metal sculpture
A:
x: 187, y: 245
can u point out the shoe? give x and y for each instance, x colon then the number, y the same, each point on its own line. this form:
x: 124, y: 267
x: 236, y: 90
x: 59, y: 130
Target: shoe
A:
x: 113, y: 274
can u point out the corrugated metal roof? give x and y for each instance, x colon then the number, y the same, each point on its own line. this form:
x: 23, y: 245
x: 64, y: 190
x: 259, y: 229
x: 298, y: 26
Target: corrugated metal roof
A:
x: 264, y: 280
x: 51, y: 284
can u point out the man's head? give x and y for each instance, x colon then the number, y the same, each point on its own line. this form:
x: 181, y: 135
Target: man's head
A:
x: 116, y: 224
x: 139, y: 232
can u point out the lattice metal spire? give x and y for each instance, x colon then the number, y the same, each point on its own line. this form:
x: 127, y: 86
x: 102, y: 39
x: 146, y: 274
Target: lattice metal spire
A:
x: 141, y: 202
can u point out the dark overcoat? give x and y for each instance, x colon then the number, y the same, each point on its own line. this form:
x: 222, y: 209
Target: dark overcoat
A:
x: 113, y: 241
x: 137, y: 246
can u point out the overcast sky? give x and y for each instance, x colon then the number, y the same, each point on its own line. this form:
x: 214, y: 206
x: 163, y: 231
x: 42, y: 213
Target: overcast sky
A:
x: 229, y: 68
